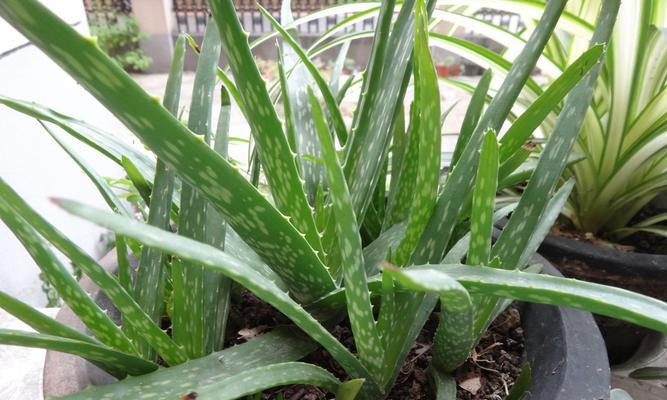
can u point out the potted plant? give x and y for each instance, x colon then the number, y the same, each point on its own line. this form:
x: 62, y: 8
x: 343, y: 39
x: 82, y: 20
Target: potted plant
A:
x: 305, y: 257
x: 609, y: 232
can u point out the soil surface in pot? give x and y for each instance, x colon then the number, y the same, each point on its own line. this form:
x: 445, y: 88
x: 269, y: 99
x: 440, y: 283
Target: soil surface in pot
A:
x: 488, y: 373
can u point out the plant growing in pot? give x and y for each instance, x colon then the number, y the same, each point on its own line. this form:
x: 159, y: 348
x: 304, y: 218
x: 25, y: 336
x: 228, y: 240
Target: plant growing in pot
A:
x: 608, y: 233
x: 304, y: 255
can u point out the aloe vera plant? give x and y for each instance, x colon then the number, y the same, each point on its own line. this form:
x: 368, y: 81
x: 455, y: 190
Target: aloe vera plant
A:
x: 373, y: 232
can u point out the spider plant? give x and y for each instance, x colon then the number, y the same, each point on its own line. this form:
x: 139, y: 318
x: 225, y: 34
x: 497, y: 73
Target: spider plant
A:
x: 302, y: 254
x: 624, y: 135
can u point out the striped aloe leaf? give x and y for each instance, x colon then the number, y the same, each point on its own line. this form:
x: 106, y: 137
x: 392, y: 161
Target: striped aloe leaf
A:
x: 239, y: 271
x: 325, y: 90
x: 277, y: 158
x: 473, y: 113
x: 438, y: 233
x: 358, y: 299
x: 131, y: 312
x: 483, y: 199
x: 278, y: 346
x: 251, y: 216
x: 67, y: 287
x: 115, y: 362
x: 189, y: 324
x: 149, y: 282
x: 454, y: 337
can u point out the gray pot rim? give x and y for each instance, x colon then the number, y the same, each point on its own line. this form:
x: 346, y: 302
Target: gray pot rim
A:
x: 564, y: 347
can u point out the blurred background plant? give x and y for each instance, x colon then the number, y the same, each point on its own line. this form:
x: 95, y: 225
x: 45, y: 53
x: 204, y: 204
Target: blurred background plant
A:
x: 120, y: 38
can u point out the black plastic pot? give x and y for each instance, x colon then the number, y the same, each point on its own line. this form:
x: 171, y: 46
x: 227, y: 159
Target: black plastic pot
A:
x: 642, y: 273
x: 563, y: 346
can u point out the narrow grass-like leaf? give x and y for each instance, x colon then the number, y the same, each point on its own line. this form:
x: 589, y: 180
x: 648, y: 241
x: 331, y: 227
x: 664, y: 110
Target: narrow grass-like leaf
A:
x: 524, y: 126
x: 149, y: 282
x: 62, y: 280
x: 358, y: 299
x: 118, y: 363
x: 277, y: 346
x: 334, y: 82
x: 454, y: 337
x: 457, y: 187
x: 131, y: 312
x: 277, y: 158
x: 247, y: 211
x: 427, y: 105
x: 544, y: 289
x: 261, y: 378
x: 484, y: 195
x: 472, y: 115
x: 40, y: 322
x: 325, y: 90
x: 237, y: 270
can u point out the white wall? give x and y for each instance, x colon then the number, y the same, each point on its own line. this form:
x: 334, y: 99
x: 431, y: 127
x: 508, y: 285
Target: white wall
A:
x: 31, y: 162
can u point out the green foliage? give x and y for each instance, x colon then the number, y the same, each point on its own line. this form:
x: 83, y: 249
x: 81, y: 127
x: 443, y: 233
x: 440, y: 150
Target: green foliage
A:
x: 120, y: 37
x: 313, y: 244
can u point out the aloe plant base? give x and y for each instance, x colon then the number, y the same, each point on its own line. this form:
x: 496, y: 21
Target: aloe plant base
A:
x: 554, y: 339
x: 643, y: 273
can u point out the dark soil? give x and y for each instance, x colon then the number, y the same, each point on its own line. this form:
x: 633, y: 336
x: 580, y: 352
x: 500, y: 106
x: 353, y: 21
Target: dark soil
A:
x: 621, y: 338
x: 488, y: 374
x: 640, y: 242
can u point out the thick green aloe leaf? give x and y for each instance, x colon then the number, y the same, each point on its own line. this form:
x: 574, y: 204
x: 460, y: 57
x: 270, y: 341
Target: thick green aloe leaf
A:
x: 521, y: 384
x: 262, y: 226
x: 454, y: 337
x: 298, y: 116
x: 427, y: 111
x: 527, y: 122
x: 483, y: 199
x: 544, y: 289
x: 138, y: 181
x: 473, y: 113
x: 189, y: 325
x: 325, y: 90
x: 149, y: 281
x: 217, y: 288
x: 649, y: 373
x: 444, y: 385
x: 40, y: 322
x: 277, y: 158
x: 554, y: 157
x: 115, y: 362
x: 235, y: 269
x: 277, y: 346
x: 358, y: 299
x: 367, y: 149
x: 407, y: 165
x: 457, y: 186
x: 261, y: 378
x: 62, y: 280
x: 459, y: 250
x: 131, y: 312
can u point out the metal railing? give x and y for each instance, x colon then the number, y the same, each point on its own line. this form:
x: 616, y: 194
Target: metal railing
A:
x: 191, y: 16
x: 102, y: 12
